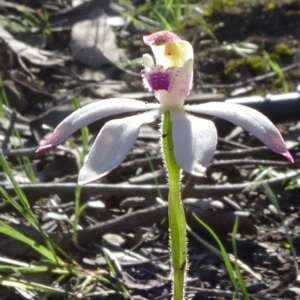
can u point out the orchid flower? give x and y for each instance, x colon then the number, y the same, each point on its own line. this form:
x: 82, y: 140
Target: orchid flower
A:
x: 188, y: 141
x: 170, y: 77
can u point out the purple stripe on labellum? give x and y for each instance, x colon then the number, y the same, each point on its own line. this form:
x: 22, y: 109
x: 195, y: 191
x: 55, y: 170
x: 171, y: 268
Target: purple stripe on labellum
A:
x: 157, y: 78
x: 159, y: 81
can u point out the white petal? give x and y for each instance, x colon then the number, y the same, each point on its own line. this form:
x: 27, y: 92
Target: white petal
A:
x: 91, y: 113
x: 112, y: 145
x: 186, y: 51
x: 195, y: 141
x: 148, y: 61
x: 248, y: 118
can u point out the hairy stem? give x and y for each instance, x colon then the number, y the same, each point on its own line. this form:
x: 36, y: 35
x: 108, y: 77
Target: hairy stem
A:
x: 177, y: 223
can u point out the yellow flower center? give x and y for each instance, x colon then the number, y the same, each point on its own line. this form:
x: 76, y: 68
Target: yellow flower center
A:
x: 172, y: 54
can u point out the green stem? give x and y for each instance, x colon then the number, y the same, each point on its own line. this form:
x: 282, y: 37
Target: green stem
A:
x: 177, y: 223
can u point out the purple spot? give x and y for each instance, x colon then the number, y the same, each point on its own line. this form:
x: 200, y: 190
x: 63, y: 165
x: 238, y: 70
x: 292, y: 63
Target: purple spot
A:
x: 159, y: 81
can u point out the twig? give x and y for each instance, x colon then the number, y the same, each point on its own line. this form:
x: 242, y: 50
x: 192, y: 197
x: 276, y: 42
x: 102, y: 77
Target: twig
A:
x: 39, y: 190
x: 225, y: 294
x: 249, y: 162
x: 241, y: 152
x: 251, y: 80
x: 19, y: 152
x: 144, y: 217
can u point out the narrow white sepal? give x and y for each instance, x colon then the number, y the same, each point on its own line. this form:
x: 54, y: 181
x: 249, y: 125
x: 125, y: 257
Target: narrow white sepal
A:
x: 92, y: 112
x: 249, y: 119
x: 112, y: 144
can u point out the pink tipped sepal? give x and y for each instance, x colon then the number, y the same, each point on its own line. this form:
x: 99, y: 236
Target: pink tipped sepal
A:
x: 56, y: 138
x: 278, y: 145
x: 43, y: 148
x: 288, y: 156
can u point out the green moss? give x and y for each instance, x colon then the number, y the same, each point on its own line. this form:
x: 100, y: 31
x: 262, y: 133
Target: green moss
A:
x: 232, y: 65
x: 283, y: 50
x: 277, y: 83
x: 295, y: 76
x: 270, y: 5
x: 215, y: 6
x: 255, y: 63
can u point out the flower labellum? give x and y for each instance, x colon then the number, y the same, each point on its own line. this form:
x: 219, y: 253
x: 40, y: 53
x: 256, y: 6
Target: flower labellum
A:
x: 170, y: 76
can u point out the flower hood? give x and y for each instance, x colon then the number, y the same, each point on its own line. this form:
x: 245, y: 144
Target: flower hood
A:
x: 171, y: 75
